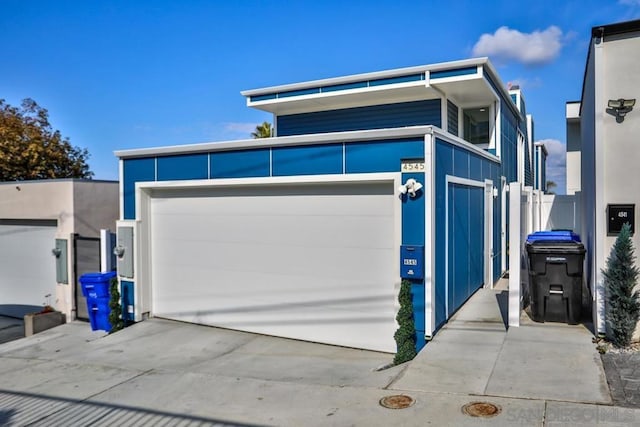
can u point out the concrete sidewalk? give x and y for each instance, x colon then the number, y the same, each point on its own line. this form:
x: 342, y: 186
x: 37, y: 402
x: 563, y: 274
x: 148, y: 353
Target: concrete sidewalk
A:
x: 161, y: 372
x: 475, y: 354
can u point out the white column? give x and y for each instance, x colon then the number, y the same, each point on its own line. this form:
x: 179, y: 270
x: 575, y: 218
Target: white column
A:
x: 514, y: 253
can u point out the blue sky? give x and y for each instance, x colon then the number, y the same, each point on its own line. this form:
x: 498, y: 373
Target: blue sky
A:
x: 131, y: 74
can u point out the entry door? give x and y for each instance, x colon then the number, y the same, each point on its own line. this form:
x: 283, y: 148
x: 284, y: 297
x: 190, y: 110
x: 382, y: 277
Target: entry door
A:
x: 465, y: 241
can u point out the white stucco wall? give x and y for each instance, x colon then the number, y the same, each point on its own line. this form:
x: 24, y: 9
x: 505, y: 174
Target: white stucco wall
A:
x: 610, y: 152
x: 39, y: 200
x: 621, y: 141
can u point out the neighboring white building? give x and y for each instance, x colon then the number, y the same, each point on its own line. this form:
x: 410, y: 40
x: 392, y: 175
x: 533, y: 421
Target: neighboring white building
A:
x: 603, y: 146
x: 38, y: 217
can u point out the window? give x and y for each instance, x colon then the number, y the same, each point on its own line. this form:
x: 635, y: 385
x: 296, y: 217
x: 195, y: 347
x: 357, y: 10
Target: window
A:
x: 476, y: 126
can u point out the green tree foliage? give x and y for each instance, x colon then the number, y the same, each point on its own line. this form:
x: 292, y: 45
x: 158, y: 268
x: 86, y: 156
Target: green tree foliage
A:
x: 31, y: 149
x: 115, y: 308
x: 622, y: 302
x: 263, y: 130
x: 405, y: 336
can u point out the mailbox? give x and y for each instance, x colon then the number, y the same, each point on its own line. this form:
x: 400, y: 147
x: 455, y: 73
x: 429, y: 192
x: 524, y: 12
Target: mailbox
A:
x: 411, y: 262
x: 617, y: 215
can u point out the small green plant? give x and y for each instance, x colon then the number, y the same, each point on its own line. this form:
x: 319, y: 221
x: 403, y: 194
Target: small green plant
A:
x: 622, y: 302
x: 115, y: 312
x: 405, y: 336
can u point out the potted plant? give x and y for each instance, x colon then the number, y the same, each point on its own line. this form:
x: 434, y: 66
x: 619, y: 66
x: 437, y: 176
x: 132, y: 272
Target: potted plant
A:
x: 42, y: 320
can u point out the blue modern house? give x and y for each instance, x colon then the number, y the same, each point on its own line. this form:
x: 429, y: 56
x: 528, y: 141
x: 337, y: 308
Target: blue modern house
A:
x: 368, y: 180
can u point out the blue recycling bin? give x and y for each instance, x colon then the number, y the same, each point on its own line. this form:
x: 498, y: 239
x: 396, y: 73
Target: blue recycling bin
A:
x: 95, y: 288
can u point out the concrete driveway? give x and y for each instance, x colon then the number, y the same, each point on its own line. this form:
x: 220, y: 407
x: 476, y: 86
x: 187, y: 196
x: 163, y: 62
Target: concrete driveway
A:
x: 161, y: 372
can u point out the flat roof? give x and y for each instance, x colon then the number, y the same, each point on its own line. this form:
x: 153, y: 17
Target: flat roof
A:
x: 302, y: 140
x: 469, y: 82
x: 368, y: 76
x: 616, y: 28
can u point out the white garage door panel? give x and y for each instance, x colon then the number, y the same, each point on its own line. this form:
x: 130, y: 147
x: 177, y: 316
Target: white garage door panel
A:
x: 27, y: 267
x: 298, y: 262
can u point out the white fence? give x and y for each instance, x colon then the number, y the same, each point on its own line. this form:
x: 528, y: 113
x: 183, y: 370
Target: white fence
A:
x: 530, y: 211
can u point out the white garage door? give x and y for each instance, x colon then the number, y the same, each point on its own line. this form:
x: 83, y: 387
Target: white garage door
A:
x: 316, y: 262
x: 27, y: 267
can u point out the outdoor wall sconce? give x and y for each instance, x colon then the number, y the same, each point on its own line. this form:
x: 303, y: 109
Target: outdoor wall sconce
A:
x: 119, y: 251
x: 620, y: 107
x: 56, y: 252
x: 411, y: 186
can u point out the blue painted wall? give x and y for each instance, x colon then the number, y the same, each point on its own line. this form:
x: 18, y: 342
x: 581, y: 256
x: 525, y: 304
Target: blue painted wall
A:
x: 360, y: 118
x: 355, y: 157
x: 185, y: 166
x: 381, y: 156
x: 135, y: 170
x: 307, y: 160
x: 413, y: 229
x: 240, y: 164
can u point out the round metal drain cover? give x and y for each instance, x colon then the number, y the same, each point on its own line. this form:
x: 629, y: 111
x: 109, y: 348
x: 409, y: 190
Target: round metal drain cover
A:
x: 481, y: 409
x: 398, y: 401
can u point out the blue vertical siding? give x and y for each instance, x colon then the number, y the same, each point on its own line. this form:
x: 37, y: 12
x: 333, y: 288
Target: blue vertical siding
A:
x: 184, y: 166
x: 452, y: 118
x: 360, y: 118
x: 465, y: 249
x: 443, y: 167
x: 509, y: 142
x: 309, y: 160
x: 241, y: 164
x: 381, y: 156
x: 135, y: 170
x: 460, y: 162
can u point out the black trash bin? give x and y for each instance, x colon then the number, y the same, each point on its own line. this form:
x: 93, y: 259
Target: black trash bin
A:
x: 555, y: 274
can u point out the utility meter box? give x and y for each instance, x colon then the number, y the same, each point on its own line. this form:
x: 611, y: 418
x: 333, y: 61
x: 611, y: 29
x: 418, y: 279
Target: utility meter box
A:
x: 411, y: 262
x: 124, y: 250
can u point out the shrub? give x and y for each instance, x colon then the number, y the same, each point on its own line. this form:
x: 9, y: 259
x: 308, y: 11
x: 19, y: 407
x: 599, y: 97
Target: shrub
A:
x: 115, y: 309
x: 405, y: 336
x: 622, y: 302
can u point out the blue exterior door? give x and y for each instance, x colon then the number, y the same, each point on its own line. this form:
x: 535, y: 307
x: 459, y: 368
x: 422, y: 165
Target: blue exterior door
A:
x: 465, y: 243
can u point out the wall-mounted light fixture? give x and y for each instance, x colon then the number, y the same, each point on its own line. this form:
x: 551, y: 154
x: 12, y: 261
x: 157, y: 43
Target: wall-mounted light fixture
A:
x: 119, y: 251
x: 56, y: 252
x: 620, y: 107
x: 410, y: 187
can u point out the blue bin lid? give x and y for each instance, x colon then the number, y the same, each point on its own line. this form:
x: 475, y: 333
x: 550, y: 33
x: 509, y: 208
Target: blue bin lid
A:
x: 553, y: 236
x: 97, y: 277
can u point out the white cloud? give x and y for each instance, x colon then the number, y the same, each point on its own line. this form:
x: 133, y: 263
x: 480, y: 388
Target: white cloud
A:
x: 556, y: 163
x: 536, y: 48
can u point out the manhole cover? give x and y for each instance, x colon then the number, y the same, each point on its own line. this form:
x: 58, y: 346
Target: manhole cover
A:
x: 398, y: 401
x: 481, y: 409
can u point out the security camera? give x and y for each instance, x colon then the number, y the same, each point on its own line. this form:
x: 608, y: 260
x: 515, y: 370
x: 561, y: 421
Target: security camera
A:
x: 411, y: 186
